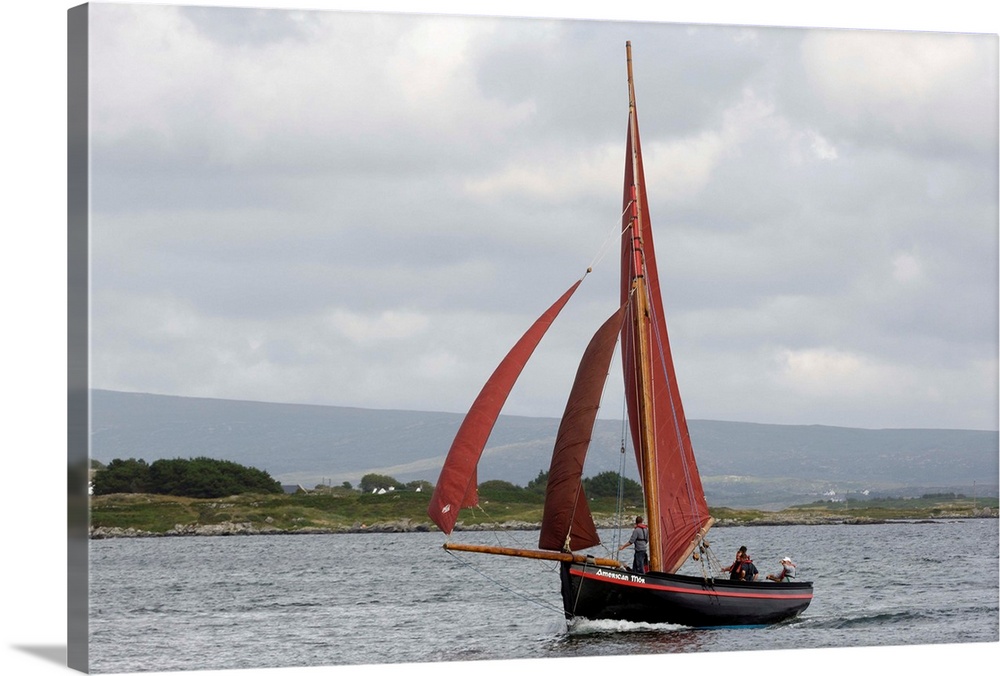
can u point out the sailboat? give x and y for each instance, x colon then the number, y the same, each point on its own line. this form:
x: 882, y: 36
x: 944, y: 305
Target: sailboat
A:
x: 677, y: 514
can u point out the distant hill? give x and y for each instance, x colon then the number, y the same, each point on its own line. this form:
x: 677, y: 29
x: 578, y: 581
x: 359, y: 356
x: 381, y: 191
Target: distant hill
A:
x: 742, y: 464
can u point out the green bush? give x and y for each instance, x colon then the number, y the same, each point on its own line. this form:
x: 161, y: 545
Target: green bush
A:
x: 374, y: 482
x: 605, y: 485
x: 504, y: 491
x: 538, y: 484
x: 196, y: 478
x: 122, y: 476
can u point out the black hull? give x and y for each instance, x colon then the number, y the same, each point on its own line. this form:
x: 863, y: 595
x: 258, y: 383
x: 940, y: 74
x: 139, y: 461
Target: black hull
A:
x: 600, y: 593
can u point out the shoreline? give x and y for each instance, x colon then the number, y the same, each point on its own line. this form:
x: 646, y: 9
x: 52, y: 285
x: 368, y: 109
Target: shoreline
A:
x: 227, y: 529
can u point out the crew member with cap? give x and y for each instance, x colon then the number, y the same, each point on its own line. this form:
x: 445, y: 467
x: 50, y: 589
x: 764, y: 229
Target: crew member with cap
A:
x: 787, y: 573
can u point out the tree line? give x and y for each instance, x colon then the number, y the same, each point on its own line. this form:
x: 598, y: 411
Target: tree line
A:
x: 603, y: 485
x: 208, y: 478
x: 195, y: 478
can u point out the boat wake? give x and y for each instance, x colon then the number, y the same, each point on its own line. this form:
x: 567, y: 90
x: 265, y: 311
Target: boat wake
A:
x: 606, y: 637
x: 583, y: 627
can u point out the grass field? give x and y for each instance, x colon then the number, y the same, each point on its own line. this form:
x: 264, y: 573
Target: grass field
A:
x: 343, y: 510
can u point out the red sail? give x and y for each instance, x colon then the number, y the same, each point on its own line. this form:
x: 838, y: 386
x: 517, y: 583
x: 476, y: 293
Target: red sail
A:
x: 683, y: 510
x: 566, y: 521
x: 456, y: 487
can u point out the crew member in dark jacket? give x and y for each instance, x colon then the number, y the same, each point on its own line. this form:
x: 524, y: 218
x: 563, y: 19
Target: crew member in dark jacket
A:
x: 734, y: 570
x: 748, y: 571
x: 639, y: 540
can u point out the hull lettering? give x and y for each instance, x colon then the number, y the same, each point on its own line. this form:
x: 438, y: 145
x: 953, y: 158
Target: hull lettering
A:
x: 624, y: 577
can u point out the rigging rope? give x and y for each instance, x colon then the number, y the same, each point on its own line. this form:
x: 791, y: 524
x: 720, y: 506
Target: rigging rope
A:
x: 620, y: 500
x: 493, y: 531
x: 711, y: 567
x: 527, y: 597
x: 602, y: 250
x: 620, y: 506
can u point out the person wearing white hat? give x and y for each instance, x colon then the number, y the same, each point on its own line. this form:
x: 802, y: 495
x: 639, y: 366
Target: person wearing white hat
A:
x: 787, y: 573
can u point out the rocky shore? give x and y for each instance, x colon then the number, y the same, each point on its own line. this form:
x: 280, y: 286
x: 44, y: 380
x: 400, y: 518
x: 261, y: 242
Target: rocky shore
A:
x: 409, y: 526
x: 246, y: 528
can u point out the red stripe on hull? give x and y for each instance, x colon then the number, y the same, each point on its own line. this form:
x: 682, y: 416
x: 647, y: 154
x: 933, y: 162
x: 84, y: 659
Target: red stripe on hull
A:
x: 689, y: 590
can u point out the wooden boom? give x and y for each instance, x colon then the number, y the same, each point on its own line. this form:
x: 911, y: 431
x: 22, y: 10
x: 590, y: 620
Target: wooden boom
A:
x: 533, y: 554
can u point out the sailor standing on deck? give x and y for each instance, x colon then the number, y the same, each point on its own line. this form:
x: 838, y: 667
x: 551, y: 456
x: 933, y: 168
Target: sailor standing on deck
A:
x: 639, y: 540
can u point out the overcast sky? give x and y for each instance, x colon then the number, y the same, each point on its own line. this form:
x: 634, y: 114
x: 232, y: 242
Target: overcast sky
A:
x: 368, y: 209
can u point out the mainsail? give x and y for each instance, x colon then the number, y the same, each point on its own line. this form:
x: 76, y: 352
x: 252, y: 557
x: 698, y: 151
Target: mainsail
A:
x: 675, y: 501
x: 456, y: 487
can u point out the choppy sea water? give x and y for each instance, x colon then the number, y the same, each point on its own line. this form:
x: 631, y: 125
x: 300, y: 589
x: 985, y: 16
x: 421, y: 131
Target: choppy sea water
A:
x: 190, y: 603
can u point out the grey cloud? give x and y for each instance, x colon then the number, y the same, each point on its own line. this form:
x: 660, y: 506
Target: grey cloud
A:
x: 263, y: 195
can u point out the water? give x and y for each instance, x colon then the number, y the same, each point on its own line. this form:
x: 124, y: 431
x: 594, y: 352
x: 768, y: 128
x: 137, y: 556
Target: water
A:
x: 190, y: 603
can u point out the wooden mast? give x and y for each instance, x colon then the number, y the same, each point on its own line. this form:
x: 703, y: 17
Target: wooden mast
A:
x: 641, y: 320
